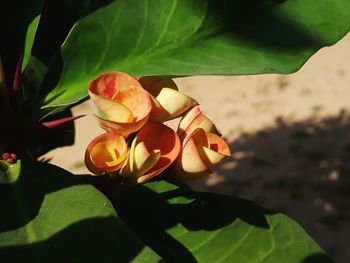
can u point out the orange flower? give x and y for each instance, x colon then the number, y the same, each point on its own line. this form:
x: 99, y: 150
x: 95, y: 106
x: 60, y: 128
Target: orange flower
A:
x: 106, y: 153
x: 154, y: 148
x: 201, y: 150
x: 195, y: 119
x: 202, y: 146
x: 167, y: 101
x: 124, y: 106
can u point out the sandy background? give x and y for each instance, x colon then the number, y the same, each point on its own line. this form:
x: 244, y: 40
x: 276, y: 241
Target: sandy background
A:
x: 290, y: 135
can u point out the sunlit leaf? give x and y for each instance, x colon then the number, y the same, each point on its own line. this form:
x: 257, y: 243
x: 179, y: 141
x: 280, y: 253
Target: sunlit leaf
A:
x: 191, y: 37
x: 29, y: 40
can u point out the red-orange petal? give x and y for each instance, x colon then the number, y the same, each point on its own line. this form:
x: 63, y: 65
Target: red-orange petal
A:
x: 194, y: 119
x: 156, y: 137
x: 201, y: 150
x: 125, y: 129
x: 124, y: 105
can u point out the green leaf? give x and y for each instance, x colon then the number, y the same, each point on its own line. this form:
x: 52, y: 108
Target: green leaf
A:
x: 49, y: 215
x: 186, y: 226
x: 192, y: 37
x: 47, y: 43
x: 29, y: 40
x: 18, y: 23
x: 33, y: 76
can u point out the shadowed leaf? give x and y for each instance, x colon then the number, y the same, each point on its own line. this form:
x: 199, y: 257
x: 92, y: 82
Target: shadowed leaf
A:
x: 186, y: 226
x: 53, y: 216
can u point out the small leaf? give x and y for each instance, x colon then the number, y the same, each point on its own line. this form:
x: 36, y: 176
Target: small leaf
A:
x: 29, y: 41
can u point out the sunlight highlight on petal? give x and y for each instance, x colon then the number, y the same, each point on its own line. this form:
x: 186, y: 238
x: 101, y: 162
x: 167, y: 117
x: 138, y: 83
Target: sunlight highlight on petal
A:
x: 123, y: 104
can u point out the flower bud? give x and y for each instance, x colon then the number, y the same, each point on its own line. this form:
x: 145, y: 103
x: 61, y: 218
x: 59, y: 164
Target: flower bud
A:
x: 154, y: 149
x: 5, y: 156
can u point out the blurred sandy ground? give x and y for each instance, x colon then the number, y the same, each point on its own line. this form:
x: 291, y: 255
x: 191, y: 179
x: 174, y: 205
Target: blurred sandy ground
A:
x: 290, y: 135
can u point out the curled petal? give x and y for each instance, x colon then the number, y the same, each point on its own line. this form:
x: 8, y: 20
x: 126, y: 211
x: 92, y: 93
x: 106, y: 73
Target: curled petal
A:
x: 168, y: 102
x: 200, y: 152
x: 125, y: 129
x: 154, y: 149
x: 144, y: 159
x: 124, y: 106
x: 112, y: 110
x: 106, y: 153
x: 194, y: 119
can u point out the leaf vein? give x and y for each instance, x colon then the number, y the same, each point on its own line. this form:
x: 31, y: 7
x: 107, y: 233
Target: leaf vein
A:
x: 237, y: 245
x: 167, y: 21
x: 207, y: 240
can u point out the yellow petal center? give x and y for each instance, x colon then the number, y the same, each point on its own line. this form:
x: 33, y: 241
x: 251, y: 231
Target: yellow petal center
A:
x: 104, y: 154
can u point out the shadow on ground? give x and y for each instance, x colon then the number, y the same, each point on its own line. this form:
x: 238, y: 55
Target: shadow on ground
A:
x: 301, y: 169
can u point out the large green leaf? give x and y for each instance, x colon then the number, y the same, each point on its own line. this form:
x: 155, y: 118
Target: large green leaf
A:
x: 191, y: 37
x: 48, y: 215
x: 186, y: 226
x: 47, y: 43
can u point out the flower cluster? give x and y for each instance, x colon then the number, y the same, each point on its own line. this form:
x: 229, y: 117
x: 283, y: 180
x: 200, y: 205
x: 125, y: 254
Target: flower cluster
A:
x: 9, y: 157
x: 137, y: 145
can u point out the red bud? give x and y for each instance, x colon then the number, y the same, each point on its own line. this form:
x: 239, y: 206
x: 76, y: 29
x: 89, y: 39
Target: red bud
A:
x: 10, y: 160
x: 5, y: 156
